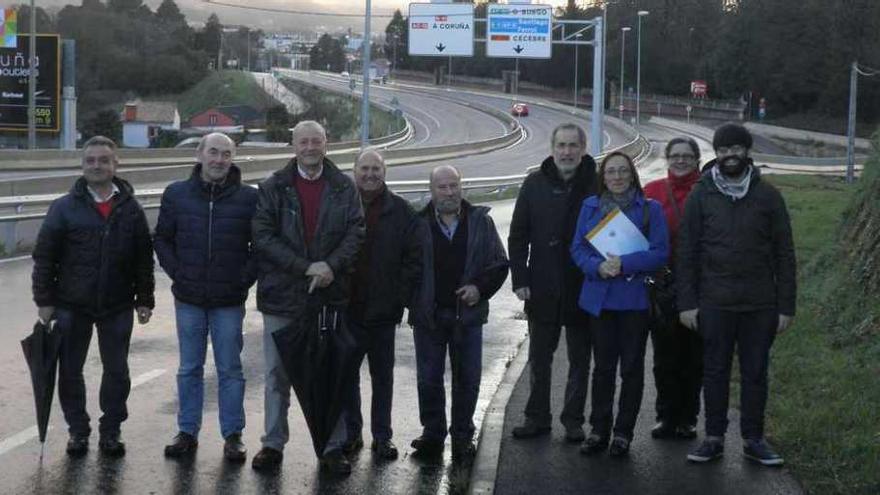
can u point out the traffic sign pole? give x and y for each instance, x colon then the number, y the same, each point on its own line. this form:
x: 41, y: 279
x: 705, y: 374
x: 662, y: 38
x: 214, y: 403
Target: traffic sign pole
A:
x: 598, y: 89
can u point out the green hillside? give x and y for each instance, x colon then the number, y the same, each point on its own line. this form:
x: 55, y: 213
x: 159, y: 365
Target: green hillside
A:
x: 227, y: 87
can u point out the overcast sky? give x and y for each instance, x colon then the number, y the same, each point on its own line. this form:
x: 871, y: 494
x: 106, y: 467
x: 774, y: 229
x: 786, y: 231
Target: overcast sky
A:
x: 199, y: 10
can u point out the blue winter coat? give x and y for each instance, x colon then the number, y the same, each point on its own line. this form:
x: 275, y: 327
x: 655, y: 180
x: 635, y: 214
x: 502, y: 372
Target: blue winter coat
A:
x: 627, y: 291
x: 203, y: 239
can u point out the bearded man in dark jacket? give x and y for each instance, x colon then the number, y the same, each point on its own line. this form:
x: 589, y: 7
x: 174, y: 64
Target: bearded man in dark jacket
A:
x: 735, y: 280
x: 93, y: 264
x: 546, y: 279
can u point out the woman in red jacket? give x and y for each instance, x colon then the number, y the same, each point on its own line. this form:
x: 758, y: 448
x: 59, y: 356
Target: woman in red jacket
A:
x: 678, y: 351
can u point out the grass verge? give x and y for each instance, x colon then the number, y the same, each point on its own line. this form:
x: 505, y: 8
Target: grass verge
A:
x: 824, y: 407
x: 228, y: 87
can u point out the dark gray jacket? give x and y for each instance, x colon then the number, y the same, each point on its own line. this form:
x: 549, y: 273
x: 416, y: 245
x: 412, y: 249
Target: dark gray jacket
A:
x: 541, y: 232
x: 736, y: 255
x: 279, y: 241
x: 486, y: 266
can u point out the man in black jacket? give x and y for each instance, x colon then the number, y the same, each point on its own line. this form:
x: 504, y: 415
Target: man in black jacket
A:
x: 203, y: 241
x: 93, y: 263
x: 735, y: 276
x: 308, y: 228
x: 464, y: 265
x: 388, y: 268
x: 544, y: 276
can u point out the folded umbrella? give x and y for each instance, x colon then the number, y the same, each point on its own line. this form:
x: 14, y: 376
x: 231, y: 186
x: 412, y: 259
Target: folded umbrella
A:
x: 41, y: 349
x: 318, y: 354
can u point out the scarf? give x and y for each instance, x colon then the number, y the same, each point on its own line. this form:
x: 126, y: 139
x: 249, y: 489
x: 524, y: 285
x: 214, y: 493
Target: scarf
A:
x: 609, y: 201
x: 735, y: 189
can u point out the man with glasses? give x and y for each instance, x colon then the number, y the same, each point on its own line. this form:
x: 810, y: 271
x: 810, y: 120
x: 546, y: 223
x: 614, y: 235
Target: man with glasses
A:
x: 735, y: 271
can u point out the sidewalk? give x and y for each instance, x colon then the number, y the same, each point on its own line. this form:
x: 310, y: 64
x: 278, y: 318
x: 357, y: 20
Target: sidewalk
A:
x: 550, y: 465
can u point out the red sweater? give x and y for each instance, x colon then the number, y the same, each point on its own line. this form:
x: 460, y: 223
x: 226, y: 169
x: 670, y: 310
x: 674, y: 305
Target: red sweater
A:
x: 681, y: 187
x: 310, y: 200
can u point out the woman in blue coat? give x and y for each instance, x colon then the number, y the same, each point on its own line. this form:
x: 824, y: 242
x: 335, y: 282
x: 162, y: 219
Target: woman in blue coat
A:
x: 616, y: 297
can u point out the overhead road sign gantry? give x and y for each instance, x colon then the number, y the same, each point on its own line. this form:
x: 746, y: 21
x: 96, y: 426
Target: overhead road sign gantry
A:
x: 441, y: 29
x: 519, y: 30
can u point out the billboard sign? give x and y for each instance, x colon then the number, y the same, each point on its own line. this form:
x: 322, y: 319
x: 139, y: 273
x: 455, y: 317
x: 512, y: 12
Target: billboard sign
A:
x: 14, y: 73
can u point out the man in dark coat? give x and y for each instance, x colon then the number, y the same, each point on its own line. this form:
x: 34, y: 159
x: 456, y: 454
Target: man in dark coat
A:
x: 464, y: 266
x: 307, y: 230
x: 93, y: 264
x: 387, y: 271
x: 544, y: 276
x: 735, y: 275
x: 203, y: 241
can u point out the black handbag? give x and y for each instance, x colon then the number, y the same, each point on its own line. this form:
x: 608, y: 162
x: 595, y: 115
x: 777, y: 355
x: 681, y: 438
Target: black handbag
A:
x: 661, y: 285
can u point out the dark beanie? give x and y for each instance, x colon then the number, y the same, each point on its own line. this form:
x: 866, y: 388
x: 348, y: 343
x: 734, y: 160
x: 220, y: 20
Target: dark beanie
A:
x: 731, y: 134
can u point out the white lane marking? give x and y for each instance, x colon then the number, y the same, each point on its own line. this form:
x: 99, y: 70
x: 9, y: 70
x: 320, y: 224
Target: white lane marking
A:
x: 27, y: 434
x: 10, y: 260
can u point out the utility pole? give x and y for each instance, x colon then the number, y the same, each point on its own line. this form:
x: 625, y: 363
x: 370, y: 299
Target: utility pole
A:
x: 851, y: 124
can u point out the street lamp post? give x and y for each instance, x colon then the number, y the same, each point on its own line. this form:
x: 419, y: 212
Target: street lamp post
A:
x: 365, y: 104
x: 623, y: 32
x: 32, y: 81
x: 642, y: 13
x: 578, y: 37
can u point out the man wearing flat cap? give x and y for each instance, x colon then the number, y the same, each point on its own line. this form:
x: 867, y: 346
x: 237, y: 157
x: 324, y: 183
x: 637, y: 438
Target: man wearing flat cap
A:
x: 735, y: 277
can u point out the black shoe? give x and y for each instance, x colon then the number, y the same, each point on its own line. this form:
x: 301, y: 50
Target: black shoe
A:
x: 267, y: 459
x: 574, y: 434
x: 594, y: 444
x: 709, y: 450
x: 183, y: 444
x: 761, y: 452
x: 353, y: 445
x: 336, y: 463
x: 111, y: 446
x: 530, y: 430
x: 686, y: 432
x: 233, y: 448
x: 619, y: 447
x: 385, y: 449
x: 463, y: 452
x: 427, y: 447
x: 78, y: 445
x: 663, y: 429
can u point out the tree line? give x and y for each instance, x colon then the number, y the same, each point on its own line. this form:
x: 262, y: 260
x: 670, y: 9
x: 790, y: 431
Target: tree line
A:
x: 124, y: 49
x: 794, y: 53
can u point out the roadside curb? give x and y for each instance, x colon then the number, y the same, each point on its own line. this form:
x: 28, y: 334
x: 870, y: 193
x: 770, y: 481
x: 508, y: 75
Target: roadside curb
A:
x: 485, y: 468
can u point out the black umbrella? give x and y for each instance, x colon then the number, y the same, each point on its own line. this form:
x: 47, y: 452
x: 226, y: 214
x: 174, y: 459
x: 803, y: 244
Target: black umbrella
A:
x: 318, y: 353
x: 41, y: 349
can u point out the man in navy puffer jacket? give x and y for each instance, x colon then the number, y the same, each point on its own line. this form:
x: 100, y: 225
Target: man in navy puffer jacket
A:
x: 203, y: 241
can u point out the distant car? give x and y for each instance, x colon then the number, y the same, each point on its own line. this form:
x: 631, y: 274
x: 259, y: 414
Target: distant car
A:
x: 344, y: 73
x: 519, y: 110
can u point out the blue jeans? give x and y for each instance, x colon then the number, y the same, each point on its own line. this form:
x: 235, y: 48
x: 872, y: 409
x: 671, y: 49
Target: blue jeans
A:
x: 114, y: 336
x: 194, y: 324
x: 465, y: 345
x: 377, y: 342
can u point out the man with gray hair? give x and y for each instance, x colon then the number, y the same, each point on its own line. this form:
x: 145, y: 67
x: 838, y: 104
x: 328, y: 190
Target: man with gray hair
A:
x: 308, y: 228
x: 464, y: 266
x: 203, y: 242
x: 548, y: 282
x: 388, y: 269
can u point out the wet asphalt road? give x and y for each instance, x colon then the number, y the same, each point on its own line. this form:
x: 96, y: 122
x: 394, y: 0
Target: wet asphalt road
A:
x: 152, y: 412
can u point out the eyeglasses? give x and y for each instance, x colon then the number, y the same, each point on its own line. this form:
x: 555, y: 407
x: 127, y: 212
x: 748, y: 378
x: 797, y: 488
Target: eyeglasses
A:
x: 736, y: 149
x: 681, y: 156
x: 617, y: 172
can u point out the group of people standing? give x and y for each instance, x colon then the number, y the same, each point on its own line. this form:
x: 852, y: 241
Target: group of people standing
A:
x: 720, y: 239
x: 309, y: 231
